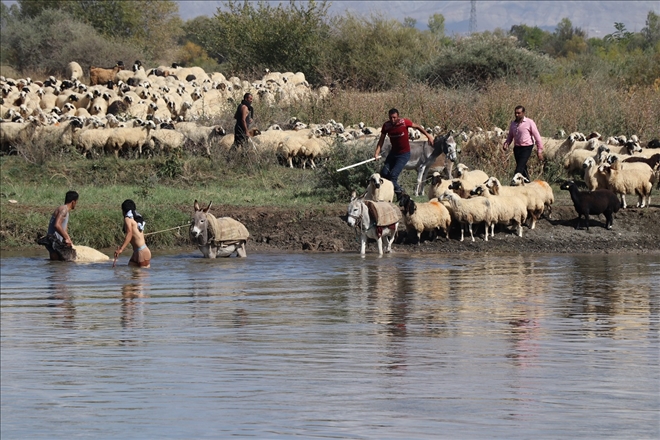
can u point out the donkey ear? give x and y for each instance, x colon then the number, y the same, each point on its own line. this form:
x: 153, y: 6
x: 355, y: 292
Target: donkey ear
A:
x: 196, y: 206
x: 208, y: 207
x: 353, y: 195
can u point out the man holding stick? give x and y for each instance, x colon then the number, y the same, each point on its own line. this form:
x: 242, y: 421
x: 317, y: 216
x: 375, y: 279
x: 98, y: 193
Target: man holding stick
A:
x: 397, y: 129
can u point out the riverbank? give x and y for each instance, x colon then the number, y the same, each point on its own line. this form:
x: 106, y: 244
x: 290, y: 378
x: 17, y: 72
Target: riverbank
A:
x: 324, y: 229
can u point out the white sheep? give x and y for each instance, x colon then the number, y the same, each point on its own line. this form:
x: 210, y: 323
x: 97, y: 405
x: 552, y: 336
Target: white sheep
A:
x: 166, y: 140
x: 592, y: 177
x: 539, y: 196
x: 201, y: 135
x: 438, y: 185
x: 630, y: 178
x: 379, y: 189
x: 430, y: 216
x: 130, y: 138
x: 74, y: 71
x: 471, y: 178
x: 504, y: 209
x: 468, y: 211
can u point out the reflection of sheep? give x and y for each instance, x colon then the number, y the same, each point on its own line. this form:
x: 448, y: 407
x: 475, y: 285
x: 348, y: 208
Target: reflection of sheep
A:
x: 504, y: 209
x: 468, y: 211
x: 600, y: 201
x: 430, y: 216
x: 379, y: 189
x: 630, y: 178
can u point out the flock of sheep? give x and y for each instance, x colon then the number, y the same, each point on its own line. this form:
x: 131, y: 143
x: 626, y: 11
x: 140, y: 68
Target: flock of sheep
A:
x: 611, y: 170
x: 130, y: 112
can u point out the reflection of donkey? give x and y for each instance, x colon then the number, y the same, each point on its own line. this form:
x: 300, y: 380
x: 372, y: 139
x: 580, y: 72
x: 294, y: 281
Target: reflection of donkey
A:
x: 217, y: 237
x: 362, y: 216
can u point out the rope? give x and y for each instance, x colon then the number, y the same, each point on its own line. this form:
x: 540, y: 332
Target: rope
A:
x: 165, y: 230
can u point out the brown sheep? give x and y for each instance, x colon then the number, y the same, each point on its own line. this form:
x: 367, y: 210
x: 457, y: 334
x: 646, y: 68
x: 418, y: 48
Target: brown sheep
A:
x: 101, y: 75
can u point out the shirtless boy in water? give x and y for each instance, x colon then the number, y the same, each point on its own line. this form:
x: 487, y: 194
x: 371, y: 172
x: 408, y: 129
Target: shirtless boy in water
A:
x: 134, y: 227
x: 59, y: 222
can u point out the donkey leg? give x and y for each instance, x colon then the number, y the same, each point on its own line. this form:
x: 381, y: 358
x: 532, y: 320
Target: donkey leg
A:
x: 363, y: 244
x: 240, y: 251
x: 380, y: 245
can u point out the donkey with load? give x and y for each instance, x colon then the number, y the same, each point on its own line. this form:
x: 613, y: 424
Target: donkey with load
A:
x: 217, y: 237
x: 373, y: 220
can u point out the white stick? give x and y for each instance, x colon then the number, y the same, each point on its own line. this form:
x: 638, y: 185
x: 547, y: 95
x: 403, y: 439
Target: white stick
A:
x: 359, y: 163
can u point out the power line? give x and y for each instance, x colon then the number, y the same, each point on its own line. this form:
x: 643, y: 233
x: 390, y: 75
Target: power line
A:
x: 473, y: 16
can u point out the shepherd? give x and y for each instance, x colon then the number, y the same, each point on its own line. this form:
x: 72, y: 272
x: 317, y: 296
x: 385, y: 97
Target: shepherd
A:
x: 57, y: 239
x: 244, y: 116
x: 397, y: 129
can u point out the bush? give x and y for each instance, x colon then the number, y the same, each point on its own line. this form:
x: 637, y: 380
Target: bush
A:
x: 45, y: 45
x: 335, y: 186
x: 480, y: 59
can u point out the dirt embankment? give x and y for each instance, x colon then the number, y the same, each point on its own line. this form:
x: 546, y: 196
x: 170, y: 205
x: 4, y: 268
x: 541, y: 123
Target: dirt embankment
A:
x: 325, y: 230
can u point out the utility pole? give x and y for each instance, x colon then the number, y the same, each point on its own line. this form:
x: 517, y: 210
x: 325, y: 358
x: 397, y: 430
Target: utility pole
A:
x: 473, y: 17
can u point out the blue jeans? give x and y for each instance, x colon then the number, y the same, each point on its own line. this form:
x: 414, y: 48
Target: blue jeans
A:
x: 394, y: 164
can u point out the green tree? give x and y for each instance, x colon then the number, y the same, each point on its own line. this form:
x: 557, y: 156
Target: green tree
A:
x: 437, y: 25
x: 32, y: 8
x: 532, y: 38
x: 651, y: 32
x: 409, y: 22
x: 565, y: 39
x: 252, y: 36
x: 152, y: 24
x: 8, y: 14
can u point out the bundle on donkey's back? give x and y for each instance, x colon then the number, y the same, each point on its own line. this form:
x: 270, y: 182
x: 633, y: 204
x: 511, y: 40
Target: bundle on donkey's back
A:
x: 217, y: 237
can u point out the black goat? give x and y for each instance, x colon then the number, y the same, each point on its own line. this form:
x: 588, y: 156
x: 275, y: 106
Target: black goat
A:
x: 653, y: 161
x: 600, y: 201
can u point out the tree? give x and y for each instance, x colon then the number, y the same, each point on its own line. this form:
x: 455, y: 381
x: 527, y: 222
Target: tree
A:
x: 437, y: 25
x: 152, y: 24
x: 409, y: 22
x: 651, y: 32
x: 531, y: 38
x: 32, y: 8
x: 621, y: 34
x: 252, y: 36
x: 558, y: 44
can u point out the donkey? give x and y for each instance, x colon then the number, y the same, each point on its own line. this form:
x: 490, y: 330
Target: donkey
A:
x: 361, y: 219
x: 217, y: 237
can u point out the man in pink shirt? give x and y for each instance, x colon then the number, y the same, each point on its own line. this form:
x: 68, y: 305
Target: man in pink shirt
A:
x: 524, y: 134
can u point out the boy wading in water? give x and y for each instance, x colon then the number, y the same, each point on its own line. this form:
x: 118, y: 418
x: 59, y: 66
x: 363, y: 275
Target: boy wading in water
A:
x: 133, y: 228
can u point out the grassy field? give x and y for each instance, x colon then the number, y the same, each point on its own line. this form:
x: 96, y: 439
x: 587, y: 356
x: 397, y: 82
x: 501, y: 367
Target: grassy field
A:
x: 164, y: 187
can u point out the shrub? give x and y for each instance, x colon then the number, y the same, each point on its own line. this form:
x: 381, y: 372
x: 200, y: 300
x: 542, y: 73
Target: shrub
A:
x: 483, y: 58
x: 44, y: 45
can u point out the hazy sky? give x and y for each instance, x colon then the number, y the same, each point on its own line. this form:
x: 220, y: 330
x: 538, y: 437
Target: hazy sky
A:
x: 595, y: 17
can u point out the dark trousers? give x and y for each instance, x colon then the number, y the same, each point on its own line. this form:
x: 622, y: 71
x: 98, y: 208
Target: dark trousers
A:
x: 240, y: 137
x: 521, y: 154
x: 394, y: 164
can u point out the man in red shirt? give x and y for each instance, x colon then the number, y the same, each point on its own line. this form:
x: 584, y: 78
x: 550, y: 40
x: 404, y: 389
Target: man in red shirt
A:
x: 397, y: 129
x: 524, y: 133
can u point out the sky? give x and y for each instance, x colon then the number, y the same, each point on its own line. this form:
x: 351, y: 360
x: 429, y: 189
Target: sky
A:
x: 597, y: 18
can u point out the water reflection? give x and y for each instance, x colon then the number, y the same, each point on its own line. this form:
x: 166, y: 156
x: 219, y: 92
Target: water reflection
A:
x: 60, y: 296
x: 132, y: 295
x: 404, y: 346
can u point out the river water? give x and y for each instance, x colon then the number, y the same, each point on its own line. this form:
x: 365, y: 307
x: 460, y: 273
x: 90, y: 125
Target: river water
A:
x: 332, y: 346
